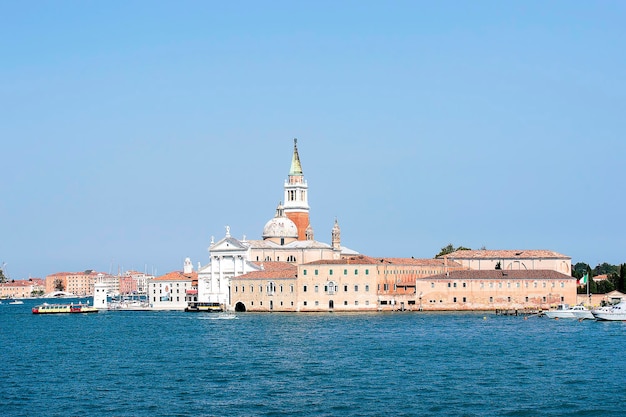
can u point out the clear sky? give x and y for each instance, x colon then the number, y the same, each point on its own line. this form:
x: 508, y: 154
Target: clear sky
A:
x: 133, y: 131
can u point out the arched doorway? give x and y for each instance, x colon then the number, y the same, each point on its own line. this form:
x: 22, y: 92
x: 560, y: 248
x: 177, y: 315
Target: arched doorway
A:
x: 240, y: 307
x: 331, y: 304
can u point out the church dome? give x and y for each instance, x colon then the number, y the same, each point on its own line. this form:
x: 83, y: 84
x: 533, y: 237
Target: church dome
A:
x: 280, y: 226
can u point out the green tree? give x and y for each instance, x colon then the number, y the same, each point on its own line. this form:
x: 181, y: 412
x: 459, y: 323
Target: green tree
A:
x: 449, y: 249
x: 579, y: 269
x: 58, y: 284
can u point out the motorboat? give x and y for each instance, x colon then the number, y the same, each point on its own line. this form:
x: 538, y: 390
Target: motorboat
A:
x: 564, y: 311
x: 615, y: 312
x: 15, y: 302
x: 582, y: 313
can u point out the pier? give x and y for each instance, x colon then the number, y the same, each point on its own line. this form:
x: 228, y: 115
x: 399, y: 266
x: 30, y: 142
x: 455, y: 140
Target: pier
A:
x: 519, y: 312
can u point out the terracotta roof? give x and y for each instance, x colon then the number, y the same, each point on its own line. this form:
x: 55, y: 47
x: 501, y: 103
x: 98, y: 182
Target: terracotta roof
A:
x: 502, y: 274
x: 271, y: 270
x: 352, y: 260
x: 177, y: 276
x: 505, y: 254
x: 419, y: 262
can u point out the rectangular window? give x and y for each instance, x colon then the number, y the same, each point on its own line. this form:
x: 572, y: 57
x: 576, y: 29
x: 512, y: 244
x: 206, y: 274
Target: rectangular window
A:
x: 454, y: 299
x: 386, y: 287
x: 508, y: 299
x: 317, y: 303
x: 356, y: 272
x: 464, y: 285
x: 526, y: 299
x: 291, y: 288
x: 330, y: 272
x: 491, y: 299
x: 304, y: 272
x: 356, y: 303
x: 454, y: 285
x: 432, y: 285
x: 367, y: 288
x: 345, y: 288
x: 304, y: 290
x: 304, y: 302
x: 317, y: 288
x: 345, y: 272
x: 356, y: 288
x: 367, y: 302
x: 345, y: 303
x: 316, y: 272
x: 464, y: 299
x: 367, y: 272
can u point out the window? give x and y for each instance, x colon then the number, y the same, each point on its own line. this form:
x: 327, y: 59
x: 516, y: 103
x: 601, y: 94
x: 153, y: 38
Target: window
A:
x: 367, y: 272
x: 367, y: 302
x: 526, y: 299
x: 304, y: 290
x: 356, y: 303
x: 386, y: 287
x: 251, y: 288
x: 367, y: 288
x: 356, y: 272
x: 432, y: 285
x: 304, y: 272
x: 464, y: 285
x: 345, y: 288
x: 448, y: 285
x: 454, y: 285
x: 345, y: 272
x: 316, y: 272
x: 304, y: 302
x: 317, y: 303
x: 454, y: 299
x: 317, y: 288
x: 508, y: 299
x: 491, y: 299
x: 345, y: 303
x: 464, y: 299
x: 291, y: 288
x: 330, y: 272
x: 356, y: 288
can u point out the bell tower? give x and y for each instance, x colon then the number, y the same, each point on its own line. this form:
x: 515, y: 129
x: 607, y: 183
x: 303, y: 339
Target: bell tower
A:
x: 296, y: 196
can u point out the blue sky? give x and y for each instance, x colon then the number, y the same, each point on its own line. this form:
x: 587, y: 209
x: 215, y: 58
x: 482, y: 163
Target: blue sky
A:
x: 133, y: 131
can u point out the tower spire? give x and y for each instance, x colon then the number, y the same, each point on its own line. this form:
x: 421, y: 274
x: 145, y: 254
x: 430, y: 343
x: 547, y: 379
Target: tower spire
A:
x: 296, y: 166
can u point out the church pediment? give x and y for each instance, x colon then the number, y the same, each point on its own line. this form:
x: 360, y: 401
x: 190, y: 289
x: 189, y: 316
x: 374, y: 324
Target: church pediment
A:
x: 228, y: 244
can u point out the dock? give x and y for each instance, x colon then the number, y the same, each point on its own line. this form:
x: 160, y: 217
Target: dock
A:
x: 519, y: 312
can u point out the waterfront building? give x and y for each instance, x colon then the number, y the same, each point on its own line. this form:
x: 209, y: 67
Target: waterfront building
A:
x: 133, y: 282
x: 484, y: 259
x: 77, y: 283
x: 23, y: 288
x: 174, y: 290
x: 353, y: 283
x: 496, y: 289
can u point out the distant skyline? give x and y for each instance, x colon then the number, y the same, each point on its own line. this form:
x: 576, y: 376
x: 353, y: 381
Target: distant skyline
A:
x: 132, y: 132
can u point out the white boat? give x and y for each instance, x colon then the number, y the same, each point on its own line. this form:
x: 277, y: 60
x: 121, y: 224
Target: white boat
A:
x: 615, y: 312
x: 564, y: 311
x: 581, y: 312
x: 16, y: 302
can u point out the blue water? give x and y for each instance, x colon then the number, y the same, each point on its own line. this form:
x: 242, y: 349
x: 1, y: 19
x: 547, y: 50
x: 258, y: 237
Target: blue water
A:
x: 396, y: 364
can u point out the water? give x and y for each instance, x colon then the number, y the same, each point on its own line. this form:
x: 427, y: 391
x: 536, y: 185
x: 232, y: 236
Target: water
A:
x: 398, y: 364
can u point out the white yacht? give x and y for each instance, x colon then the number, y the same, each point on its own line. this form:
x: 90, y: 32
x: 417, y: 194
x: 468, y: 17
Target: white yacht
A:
x: 615, y: 312
x: 564, y: 311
